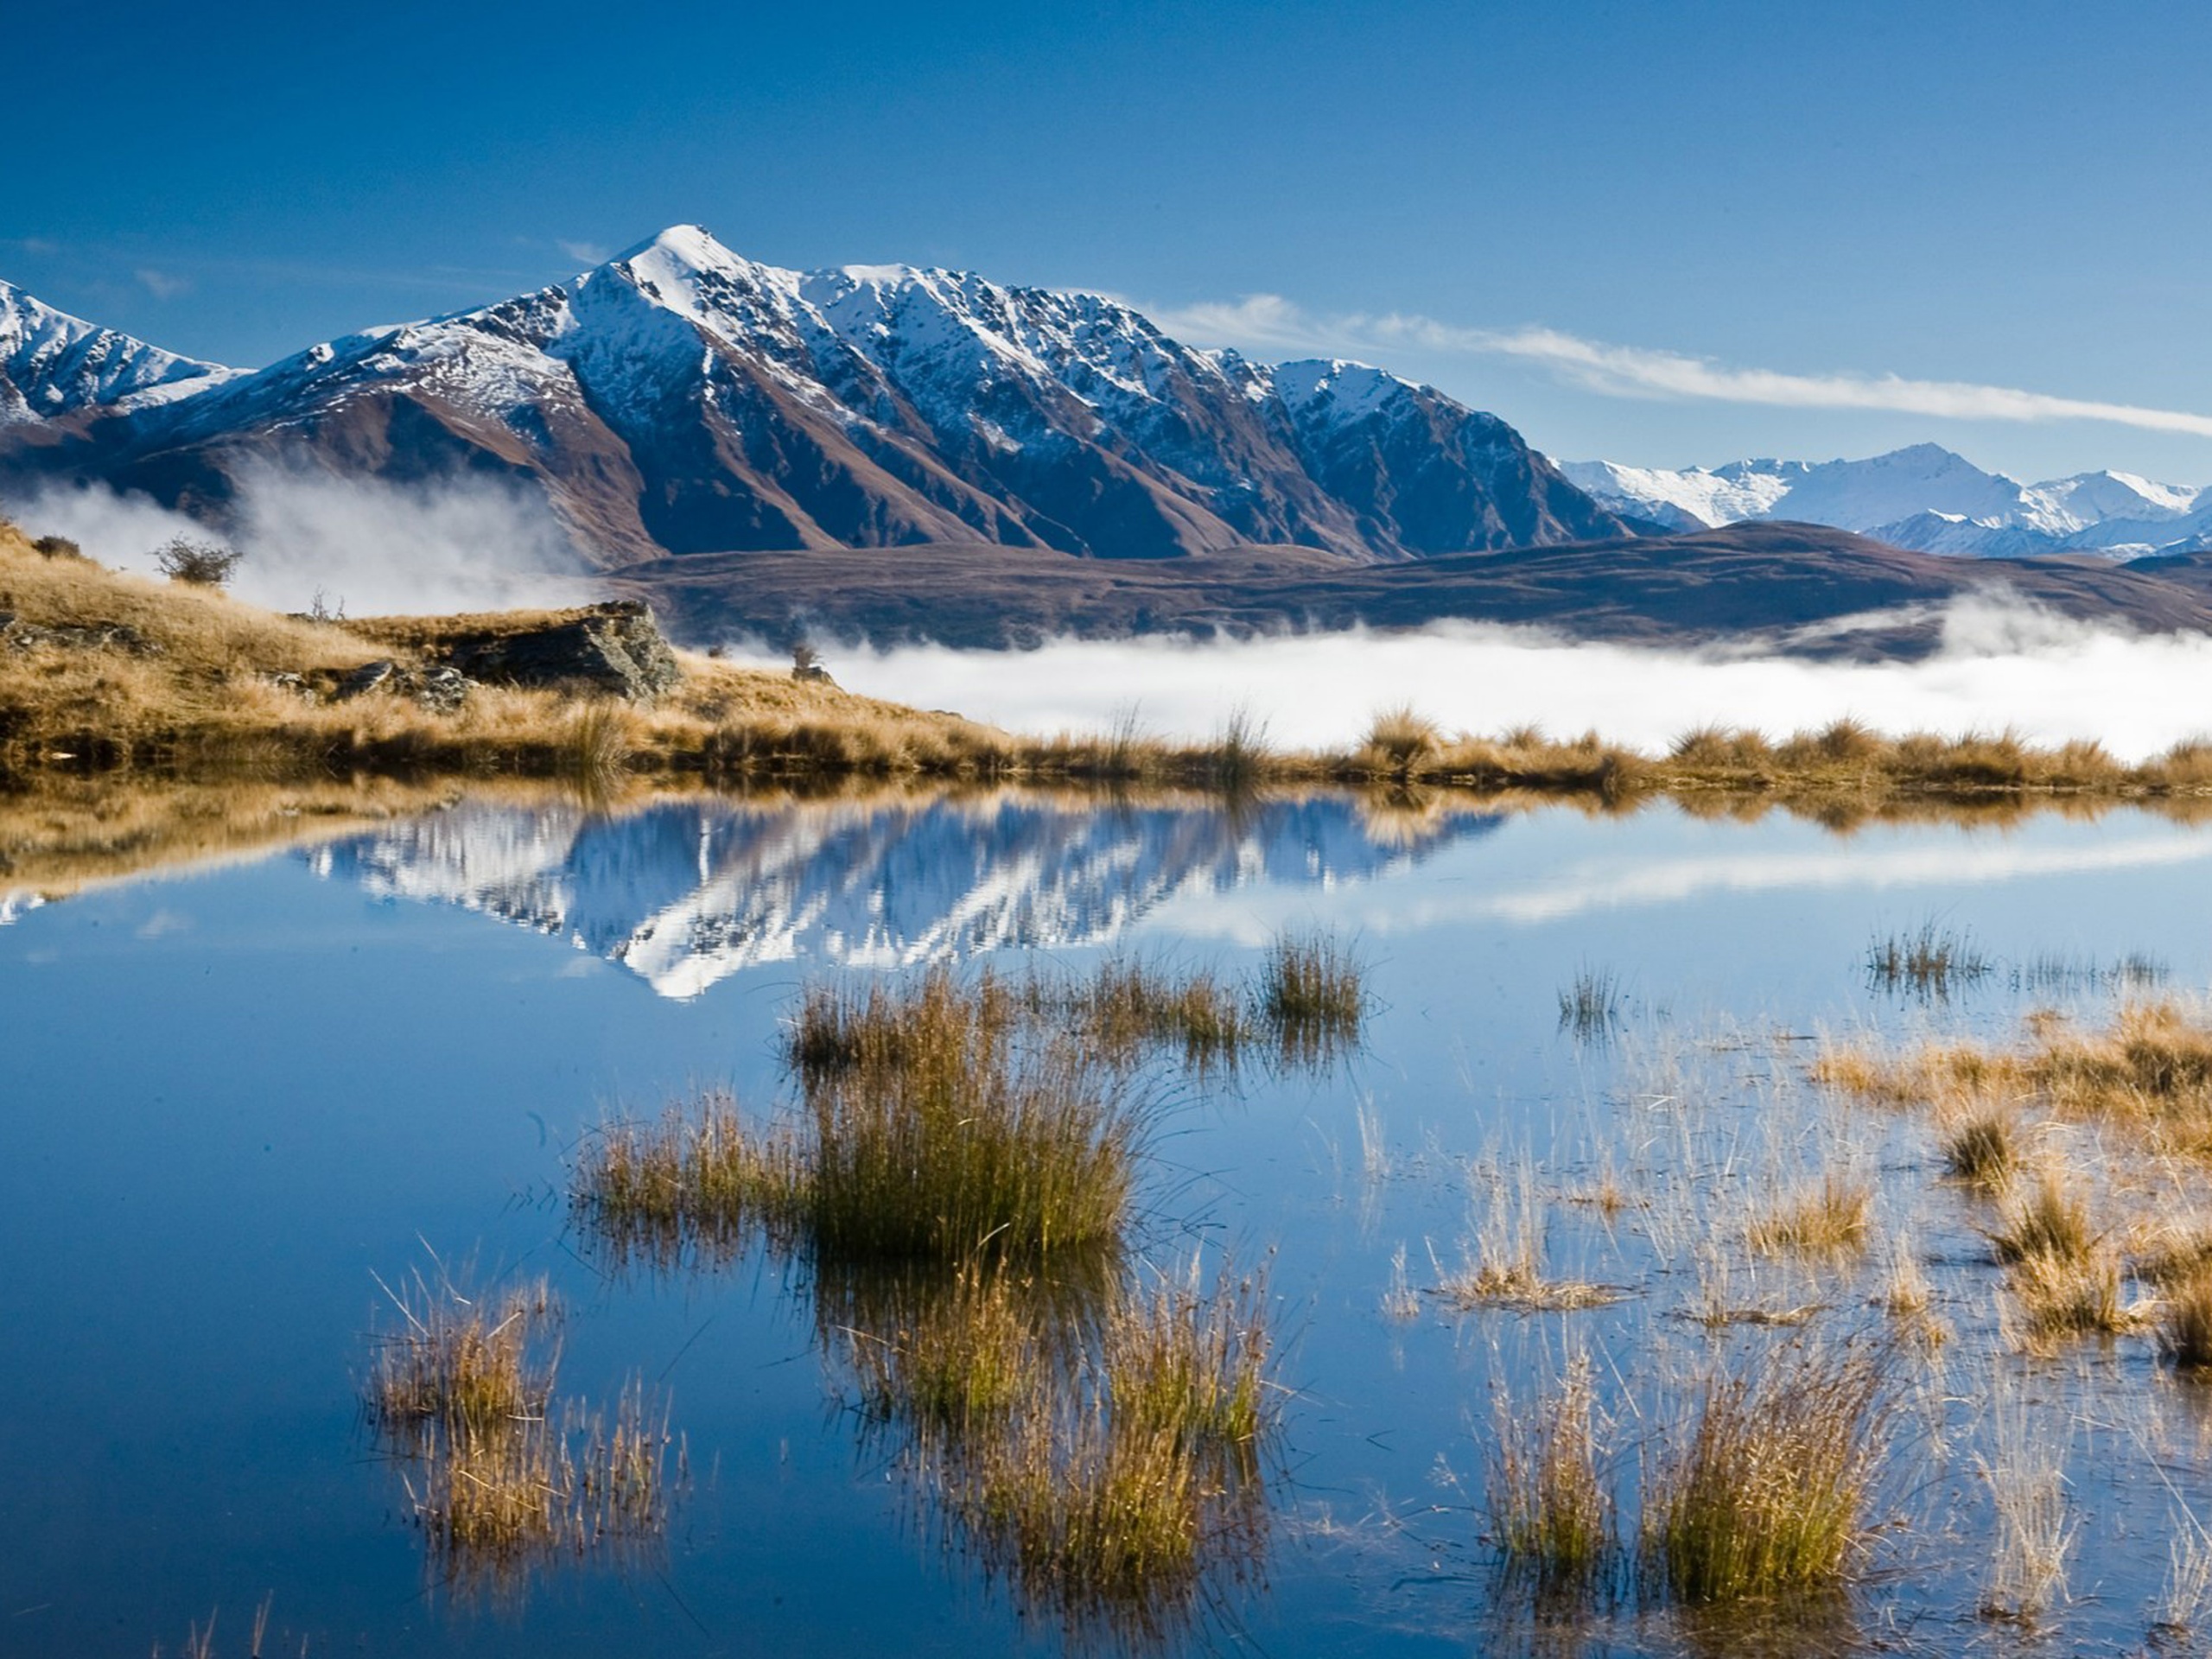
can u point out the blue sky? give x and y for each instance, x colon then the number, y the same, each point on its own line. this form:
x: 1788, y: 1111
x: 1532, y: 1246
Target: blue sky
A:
x: 1661, y: 234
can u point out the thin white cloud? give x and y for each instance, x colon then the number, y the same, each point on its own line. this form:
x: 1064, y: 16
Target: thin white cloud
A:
x: 161, y: 284
x: 588, y: 253
x: 1270, y: 322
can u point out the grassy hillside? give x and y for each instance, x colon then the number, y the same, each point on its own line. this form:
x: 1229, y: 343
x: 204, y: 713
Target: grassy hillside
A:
x: 103, y: 672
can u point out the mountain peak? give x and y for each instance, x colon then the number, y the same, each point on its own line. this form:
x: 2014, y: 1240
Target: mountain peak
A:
x: 686, y: 244
x: 53, y: 363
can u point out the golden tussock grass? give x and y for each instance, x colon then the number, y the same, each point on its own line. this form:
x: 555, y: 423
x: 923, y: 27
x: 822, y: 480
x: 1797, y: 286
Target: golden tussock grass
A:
x: 1764, y: 1490
x: 2149, y: 1070
x: 1552, y: 1512
x: 1831, y: 1217
x: 502, y: 1479
x: 2185, y: 1320
x: 202, y: 681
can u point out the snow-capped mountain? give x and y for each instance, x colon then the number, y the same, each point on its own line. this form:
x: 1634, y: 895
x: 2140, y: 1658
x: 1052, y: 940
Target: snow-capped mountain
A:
x: 1924, y: 498
x: 53, y: 365
x: 685, y: 894
x: 682, y: 399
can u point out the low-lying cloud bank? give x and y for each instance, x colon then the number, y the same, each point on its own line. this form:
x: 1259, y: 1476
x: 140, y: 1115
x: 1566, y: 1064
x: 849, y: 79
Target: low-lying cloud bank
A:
x: 1999, y: 665
x: 362, y: 545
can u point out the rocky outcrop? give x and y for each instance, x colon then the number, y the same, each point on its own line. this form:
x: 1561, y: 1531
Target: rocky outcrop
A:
x: 19, y: 635
x: 439, y: 689
x: 615, y: 648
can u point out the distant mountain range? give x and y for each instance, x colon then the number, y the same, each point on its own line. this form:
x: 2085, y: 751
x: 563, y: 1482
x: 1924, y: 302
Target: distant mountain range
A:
x: 682, y: 399
x: 1924, y: 498
x: 902, y: 454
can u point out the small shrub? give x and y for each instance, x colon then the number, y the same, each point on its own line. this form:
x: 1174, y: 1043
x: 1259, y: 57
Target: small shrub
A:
x: 58, y: 547
x: 201, y: 564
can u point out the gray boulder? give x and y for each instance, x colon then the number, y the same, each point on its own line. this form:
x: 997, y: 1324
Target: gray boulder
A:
x: 615, y: 647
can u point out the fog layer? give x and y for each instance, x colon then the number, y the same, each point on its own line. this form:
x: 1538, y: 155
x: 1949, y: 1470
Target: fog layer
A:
x: 1999, y: 665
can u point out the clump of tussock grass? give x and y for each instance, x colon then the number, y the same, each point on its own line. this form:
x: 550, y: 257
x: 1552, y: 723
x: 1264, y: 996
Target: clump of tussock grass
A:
x: 935, y: 1132
x: 1119, y: 1528
x: 500, y: 1478
x: 1399, y: 740
x: 462, y: 1364
x: 1590, y: 1004
x: 1312, y: 995
x: 1929, y: 963
x: 1721, y: 748
x: 2185, y: 1320
x: 958, y: 1359
x: 1239, y: 759
x: 689, y: 1187
x: 2046, y: 1218
x: 1765, y: 1490
x: 1832, y: 1218
x: 1980, y: 1141
x: 1192, y: 1362
x: 1125, y: 1008
x: 2056, y: 1297
x: 1551, y: 1511
x: 496, y: 1505
x: 1126, y: 1477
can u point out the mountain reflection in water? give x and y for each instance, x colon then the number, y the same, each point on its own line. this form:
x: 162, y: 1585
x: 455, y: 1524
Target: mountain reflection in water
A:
x: 684, y: 893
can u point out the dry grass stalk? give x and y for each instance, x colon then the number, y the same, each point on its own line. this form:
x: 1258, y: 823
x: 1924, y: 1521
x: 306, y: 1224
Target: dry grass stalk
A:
x: 1400, y: 1299
x: 2024, y: 1468
x: 1766, y: 1490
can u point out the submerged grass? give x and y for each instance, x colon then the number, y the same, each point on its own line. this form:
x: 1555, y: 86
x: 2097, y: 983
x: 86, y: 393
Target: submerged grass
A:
x: 1929, y: 963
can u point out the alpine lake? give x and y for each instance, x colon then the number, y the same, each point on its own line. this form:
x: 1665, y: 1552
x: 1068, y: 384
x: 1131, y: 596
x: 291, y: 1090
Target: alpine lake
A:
x: 273, y: 1115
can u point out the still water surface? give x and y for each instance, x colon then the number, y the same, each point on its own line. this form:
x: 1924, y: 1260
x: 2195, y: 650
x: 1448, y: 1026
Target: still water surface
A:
x: 234, y: 1099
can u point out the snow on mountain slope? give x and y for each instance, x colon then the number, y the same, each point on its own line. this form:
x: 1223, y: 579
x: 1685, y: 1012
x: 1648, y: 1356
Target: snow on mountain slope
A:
x: 680, y: 399
x: 1925, y: 498
x: 53, y: 363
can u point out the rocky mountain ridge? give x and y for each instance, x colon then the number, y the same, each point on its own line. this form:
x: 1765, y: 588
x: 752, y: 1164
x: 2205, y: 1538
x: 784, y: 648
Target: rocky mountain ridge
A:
x: 682, y: 399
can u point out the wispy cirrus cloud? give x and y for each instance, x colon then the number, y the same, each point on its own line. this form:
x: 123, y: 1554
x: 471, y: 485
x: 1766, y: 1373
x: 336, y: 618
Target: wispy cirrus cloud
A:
x: 1270, y: 322
x: 588, y: 253
x: 161, y: 284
